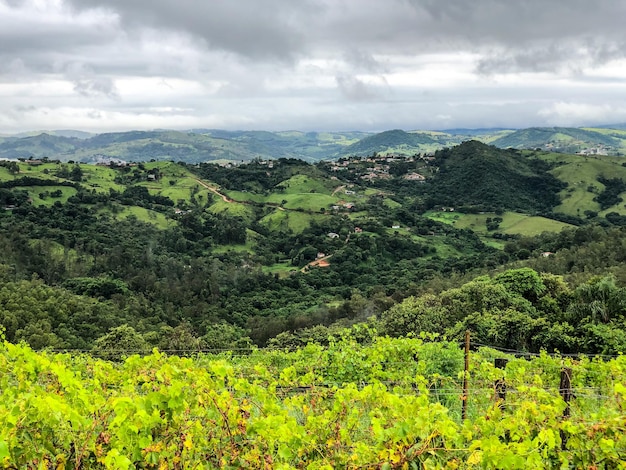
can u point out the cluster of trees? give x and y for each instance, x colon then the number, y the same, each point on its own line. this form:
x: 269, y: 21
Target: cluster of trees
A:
x: 172, y: 289
x: 472, y: 174
x: 254, y: 176
x: 517, y: 310
x: 610, y: 196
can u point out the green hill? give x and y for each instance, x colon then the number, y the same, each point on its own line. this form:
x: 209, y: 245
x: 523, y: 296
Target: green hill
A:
x: 42, y: 145
x: 564, y: 139
x: 268, y: 247
x: 482, y: 176
x: 202, y: 145
x: 395, y: 140
x: 192, y: 147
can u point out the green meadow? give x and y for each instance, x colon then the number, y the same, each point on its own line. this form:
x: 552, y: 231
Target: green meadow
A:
x: 581, y: 175
x: 512, y: 223
x: 299, y: 184
x: 144, y: 215
x: 35, y: 193
x: 232, y: 208
x: 281, y: 220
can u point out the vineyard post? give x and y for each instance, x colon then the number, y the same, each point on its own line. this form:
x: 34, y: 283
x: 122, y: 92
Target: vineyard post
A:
x: 465, y: 376
x: 565, y: 389
x: 500, y: 384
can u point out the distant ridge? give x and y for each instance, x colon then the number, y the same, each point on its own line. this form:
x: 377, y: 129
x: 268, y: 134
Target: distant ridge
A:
x: 478, y: 131
x: 566, y: 139
x: 388, y: 141
x: 202, y: 145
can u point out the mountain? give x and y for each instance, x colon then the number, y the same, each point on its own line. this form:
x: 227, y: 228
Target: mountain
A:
x: 42, y: 145
x: 191, y: 147
x: 563, y: 139
x: 476, y: 132
x: 489, y: 178
x: 274, y: 246
x: 202, y: 145
x: 390, y: 141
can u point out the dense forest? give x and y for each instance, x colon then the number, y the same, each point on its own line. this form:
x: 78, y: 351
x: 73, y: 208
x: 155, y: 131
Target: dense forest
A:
x: 209, y: 256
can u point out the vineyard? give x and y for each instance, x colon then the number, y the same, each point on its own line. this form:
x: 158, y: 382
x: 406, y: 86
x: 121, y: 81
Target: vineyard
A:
x: 396, y: 403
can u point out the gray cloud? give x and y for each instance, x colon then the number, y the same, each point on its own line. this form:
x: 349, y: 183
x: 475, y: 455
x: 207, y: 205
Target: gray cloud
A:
x: 271, y: 29
x: 354, y: 89
x: 364, y: 61
x: 285, y: 63
x: 100, y: 86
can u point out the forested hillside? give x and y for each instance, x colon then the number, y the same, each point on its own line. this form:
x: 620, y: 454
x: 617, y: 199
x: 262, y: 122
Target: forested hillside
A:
x: 280, y: 251
x: 481, y: 176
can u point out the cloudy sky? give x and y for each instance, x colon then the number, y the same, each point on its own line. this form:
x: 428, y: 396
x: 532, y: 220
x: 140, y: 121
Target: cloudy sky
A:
x: 103, y: 65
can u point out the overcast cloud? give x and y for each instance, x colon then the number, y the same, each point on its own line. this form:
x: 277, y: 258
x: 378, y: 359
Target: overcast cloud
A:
x: 101, y: 65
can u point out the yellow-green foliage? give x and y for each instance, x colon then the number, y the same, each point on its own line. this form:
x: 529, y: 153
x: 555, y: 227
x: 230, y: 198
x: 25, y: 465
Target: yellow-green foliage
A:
x: 393, y: 404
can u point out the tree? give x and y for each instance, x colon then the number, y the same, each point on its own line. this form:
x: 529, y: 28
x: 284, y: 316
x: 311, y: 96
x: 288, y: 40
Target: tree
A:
x: 226, y: 336
x: 599, y: 300
x: 120, y: 342
x: 180, y: 339
x: 76, y: 174
x: 416, y: 315
x: 13, y: 168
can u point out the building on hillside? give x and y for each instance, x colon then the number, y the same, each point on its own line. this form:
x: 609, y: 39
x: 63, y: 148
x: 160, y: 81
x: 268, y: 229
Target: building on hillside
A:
x: 414, y: 177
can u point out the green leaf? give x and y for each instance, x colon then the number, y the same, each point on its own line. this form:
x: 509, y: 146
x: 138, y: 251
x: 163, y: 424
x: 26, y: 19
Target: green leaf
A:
x: 4, y: 450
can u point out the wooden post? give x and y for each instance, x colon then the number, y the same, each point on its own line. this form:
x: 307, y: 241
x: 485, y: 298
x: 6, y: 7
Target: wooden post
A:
x: 464, y: 398
x: 500, y: 384
x: 565, y: 389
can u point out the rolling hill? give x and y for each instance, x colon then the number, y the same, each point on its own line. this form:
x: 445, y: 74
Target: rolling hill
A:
x: 192, y: 147
x: 204, y: 145
x: 390, y: 141
x: 563, y: 139
x: 479, y: 175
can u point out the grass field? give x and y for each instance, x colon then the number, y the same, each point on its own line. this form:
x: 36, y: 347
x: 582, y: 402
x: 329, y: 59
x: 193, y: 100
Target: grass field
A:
x: 581, y: 174
x: 299, y: 184
x: 512, y: 222
x: 308, y: 202
x: 282, y: 269
x: 144, y: 215
x: 245, y: 196
x: 233, y: 209
x: 5, y: 175
x: 100, y: 178
x: 34, y: 192
x: 248, y: 247
x: 390, y: 203
x: 286, y: 220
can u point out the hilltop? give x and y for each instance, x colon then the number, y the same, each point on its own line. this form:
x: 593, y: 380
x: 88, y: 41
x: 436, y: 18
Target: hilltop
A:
x: 565, y: 139
x: 203, y: 145
x: 473, y: 173
x: 191, y: 147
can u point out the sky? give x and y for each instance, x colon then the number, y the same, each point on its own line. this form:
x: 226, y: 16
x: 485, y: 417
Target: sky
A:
x: 311, y: 65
